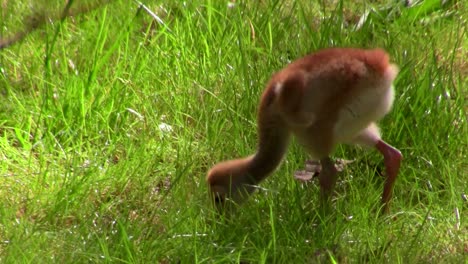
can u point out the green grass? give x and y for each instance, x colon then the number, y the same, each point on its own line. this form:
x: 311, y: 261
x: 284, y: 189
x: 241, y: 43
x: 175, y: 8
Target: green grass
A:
x: 109, y: 122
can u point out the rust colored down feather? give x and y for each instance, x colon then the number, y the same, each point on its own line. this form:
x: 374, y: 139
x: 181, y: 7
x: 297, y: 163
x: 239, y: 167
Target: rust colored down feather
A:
x: 326, y: 98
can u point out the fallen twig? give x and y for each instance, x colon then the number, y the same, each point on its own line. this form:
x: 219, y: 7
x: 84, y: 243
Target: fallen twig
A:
x: 37, y: 20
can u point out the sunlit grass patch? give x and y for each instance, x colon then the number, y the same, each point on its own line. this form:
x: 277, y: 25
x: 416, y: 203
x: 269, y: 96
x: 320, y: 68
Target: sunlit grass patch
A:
x: 110, y: 119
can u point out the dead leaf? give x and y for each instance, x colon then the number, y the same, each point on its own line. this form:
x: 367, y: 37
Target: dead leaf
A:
x: 303, y: 175
x: 313, y: 166
x: 340, y: 164
x: 313, y: 169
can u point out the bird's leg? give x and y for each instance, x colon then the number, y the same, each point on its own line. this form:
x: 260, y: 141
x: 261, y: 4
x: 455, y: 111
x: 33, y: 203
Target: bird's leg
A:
x: 392, y: 160
x: 327, y: 177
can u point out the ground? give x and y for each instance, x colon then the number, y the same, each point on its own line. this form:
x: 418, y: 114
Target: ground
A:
x: 111, y: 114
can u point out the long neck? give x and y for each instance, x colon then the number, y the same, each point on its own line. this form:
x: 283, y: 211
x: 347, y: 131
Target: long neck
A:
x: 273, y: 136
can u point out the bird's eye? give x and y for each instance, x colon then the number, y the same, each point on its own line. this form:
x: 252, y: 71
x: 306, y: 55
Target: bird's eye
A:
x: 219, y: 199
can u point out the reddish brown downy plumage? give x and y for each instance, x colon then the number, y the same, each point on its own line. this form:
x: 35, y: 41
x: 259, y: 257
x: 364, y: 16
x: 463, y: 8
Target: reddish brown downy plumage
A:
x: 329, y: 97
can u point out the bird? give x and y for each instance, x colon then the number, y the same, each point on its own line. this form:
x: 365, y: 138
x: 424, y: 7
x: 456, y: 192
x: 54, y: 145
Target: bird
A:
x: 329, y: 97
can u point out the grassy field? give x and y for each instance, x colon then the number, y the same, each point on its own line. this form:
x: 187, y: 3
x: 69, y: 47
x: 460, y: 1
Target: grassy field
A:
x: 110, y: 119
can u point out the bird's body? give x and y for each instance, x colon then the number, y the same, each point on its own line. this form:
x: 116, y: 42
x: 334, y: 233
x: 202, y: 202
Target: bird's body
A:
x: 329, y: 97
